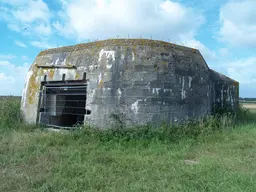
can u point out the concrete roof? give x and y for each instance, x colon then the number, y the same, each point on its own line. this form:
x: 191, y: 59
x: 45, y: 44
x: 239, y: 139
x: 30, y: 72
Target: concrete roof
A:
x: 118, y: 42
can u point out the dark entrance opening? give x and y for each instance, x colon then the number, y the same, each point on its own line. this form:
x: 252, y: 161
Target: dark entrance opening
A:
x: 62, y: 103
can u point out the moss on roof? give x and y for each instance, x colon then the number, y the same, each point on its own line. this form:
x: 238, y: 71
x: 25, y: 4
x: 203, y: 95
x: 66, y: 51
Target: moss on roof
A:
x: 117, y: 42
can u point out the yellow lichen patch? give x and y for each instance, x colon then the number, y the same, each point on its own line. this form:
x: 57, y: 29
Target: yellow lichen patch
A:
x: 77, y: 76
x: 41, y: 72
x: 51, y: 73
x: 33, y: 86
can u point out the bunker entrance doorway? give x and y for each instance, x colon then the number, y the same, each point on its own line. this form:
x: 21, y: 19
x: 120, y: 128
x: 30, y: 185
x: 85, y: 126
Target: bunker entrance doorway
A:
x: 62, y: 104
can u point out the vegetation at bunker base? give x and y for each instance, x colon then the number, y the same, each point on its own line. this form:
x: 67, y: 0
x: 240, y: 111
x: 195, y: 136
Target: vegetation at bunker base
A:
x: 10, y: 115
x: 210, y: 155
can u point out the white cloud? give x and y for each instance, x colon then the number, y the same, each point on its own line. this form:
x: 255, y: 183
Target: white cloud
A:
x: 30, y: 17
x: 12, y: 78
x: 14, y: 27
x: 24, y: 58
x: 43, y: 29
x: 21, y: 44
x: 238, y: 23
x: 224, y: 52
x: 7, y: 56
x: 42, y: 45
x: 63, y: 29
x: 165, y: 20
x: 160, y: 19
x: 14, y: 2
x: 3, y: 11
x: 34, y: 11
x: 109, y: 18
x: 243, y: 70
x: 101, y: 19
x: 3, y: 77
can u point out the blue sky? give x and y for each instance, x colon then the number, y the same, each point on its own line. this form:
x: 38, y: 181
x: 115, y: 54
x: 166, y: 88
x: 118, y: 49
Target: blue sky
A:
x: 223, y: 30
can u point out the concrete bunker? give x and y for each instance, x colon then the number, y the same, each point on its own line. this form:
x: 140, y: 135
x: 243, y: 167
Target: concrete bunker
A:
x: 139, y: 81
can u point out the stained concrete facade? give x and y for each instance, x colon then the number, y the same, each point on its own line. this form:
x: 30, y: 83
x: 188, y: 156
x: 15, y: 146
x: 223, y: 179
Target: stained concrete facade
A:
x: 225, y: 93
x: 137, y: 81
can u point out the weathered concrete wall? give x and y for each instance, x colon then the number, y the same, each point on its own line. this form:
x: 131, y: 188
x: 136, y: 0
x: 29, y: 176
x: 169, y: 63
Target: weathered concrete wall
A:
x: 225, y: 93
x: 140, y: 81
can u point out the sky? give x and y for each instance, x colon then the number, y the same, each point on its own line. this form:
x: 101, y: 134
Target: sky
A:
x: 224, y: 31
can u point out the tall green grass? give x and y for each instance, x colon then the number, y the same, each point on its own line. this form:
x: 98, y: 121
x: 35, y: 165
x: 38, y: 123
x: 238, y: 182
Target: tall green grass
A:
x: 199, y: 155
x: 168, y: 133
x: 11, y: 119
x: 10, y: 115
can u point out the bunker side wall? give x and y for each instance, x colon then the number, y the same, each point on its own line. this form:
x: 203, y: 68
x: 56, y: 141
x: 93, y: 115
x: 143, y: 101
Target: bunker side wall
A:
x: 225, y: 93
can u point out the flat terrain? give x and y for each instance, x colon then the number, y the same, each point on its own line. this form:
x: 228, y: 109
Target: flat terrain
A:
x: 50, y: 161
x: 34, y: 159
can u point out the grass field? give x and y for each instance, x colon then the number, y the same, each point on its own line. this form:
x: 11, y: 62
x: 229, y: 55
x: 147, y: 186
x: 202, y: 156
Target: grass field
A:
x: 213, y: 156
